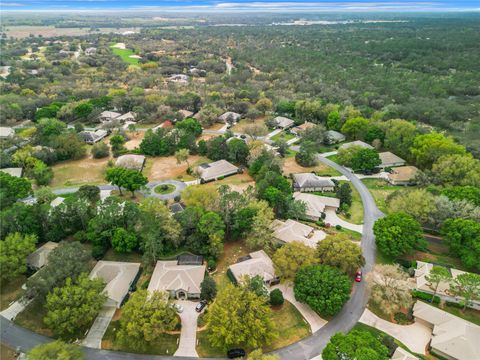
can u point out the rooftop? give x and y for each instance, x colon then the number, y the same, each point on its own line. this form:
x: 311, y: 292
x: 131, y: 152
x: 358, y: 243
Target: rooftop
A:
x: 216, y: 169
x: 6, y: 132
x: 356, y: 143
x: 283, y: 122
x: 316, y: 204
x: 168, y: 275
x: 310, y: 180
x: 291, y: 230
x: 389, y: 158
x: 39, y: 257
x: 403, y: 173
x: 17, y: 172
x: 130, y: 161
x: 258, y: 264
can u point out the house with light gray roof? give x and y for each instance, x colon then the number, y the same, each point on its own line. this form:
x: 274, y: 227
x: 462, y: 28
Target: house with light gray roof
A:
x: 333, y: 137
x: 216, y: 170
x: 255, y: 264
x: 283, y: 122
x: 39, y: 257
x: 6, y: 132
x: 309, y: 182
x: 356, y: 143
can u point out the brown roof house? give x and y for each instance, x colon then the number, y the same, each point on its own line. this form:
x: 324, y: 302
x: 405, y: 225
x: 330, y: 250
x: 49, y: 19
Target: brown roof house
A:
x: 129, y: 116
x: 256, y: 263
x: 297, y: 130
x: 107, y: 116
x: 316, y: 205
x: 130, y: 161
x: 403, y: 175
x: 39, y: 257
x: 390, y: 160
x: 181, y: 281
x: 291, y: 230
x: 309, y: 182
x: 216, y: 170
x: 283, y: 122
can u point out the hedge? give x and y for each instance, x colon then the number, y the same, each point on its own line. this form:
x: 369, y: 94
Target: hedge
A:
x: 424, y: 296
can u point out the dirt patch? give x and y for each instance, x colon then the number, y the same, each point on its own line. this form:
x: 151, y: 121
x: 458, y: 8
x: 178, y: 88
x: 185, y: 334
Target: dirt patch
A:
x: 216, y: 126
x: 79, y: 172
x: 244, y: 123
x: 135, y: 140
x: 290, y: 166
x: 206, y: 137
x: 238, y: 182
x: 162, y: 168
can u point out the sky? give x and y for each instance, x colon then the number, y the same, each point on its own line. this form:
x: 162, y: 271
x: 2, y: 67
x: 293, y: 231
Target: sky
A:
x: 244, y: 5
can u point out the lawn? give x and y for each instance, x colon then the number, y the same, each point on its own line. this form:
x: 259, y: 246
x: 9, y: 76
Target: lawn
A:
x: 125, y: 55
x: 380, y: 191
x: 356, y: 210
x: 11, y: 291
x: 237, y: 182
x: 282, y: 135
x: 167, y: 344
x: 244, y: 123
x: 165, y: 189
x: 166, y: 167
x: 79, y: 172
x: 231, y: 252
x: 32, y: 318
x: 290, y: 166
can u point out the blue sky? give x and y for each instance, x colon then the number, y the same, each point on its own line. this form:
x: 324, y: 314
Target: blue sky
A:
x: 235, y: 5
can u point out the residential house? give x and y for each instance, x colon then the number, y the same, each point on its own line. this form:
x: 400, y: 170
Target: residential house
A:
x: 16, y: 172
x: 298, y: 130
x: 291, y: 230
x: 216, y: 170
x: 6, y: 132
x: 39, y: 258
x: 283, y: 122
x: 185, y: 113
x: 129, y: 116
x: 180, y: 278
x: 229, y: 117
x: 317, y: 205
x: 90, y: 51
x: 256, y: 263
x: 130, y: 161
x: 402, y: 175
x: 179, y: 78
x: 120, y: 278
x: 333, y: 137
x: 107, y: 116
x: 389, y: 159
x: 453, y: 338
x: 92, y: 137
x: 356, y: 143
x: 309, y: 182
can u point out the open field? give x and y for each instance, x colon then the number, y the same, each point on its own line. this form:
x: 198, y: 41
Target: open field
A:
x: 50, y: 31
x: 166, y: 167
x: 125, y: 55
x: 242, y: 124
x: 290, y: 166
x: 11, y: 291
x: 79, y: 172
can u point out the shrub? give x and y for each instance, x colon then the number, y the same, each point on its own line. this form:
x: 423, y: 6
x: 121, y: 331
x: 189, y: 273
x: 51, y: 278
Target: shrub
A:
x: 177, y: 198
x: 338, y: 227
x: 424, y: 296
x: 212, y: 264
x: 401, y: 318
x: 276, y: 297
x: 98, y: 251
x: 100, y: 150
x: 389, y: 342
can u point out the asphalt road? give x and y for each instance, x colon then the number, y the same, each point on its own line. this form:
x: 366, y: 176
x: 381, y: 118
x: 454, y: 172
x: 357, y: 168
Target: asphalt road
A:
x: 305, y: 349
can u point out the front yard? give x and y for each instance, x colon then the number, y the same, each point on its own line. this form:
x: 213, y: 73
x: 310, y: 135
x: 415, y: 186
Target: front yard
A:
x: 282, y: 136
x: 290, y: 166
x: 11, y: 291
x: 32, y: 318
x: 86, y: 171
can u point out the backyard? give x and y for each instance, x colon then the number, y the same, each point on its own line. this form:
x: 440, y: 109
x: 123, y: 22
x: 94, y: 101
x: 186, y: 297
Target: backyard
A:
x: 125, y: 54
x: 166, y: 167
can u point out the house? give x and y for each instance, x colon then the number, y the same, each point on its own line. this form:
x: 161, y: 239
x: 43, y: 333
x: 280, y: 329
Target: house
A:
x: 16, y: 172
x: 256, y: 263
x: 92, y: 137
x: 180, y: 278
x: 57, y: 201
x: 333, y: 137
x: 309, y: 182
x: 283, y: 122
x: 422, y: 284
x: 129, y: 116
x: 176, y: 208
x: 402, y: 175
x: 402, y: 354
x: 298, y: 130
x: 130, y: 161
x: 356, y: 143
x: 216, y: 170
x: 179, y: 78
x: 185, y: 113
x: 39, y: 257
x: 291, y: 230
x: 90, y: 51
x: 6, y: 132
x: 229, y: 117
x: 317, y: 205
x: 107, y: 116
x: 390, y: 160
x: 452, y: 337
x: 120, y: 278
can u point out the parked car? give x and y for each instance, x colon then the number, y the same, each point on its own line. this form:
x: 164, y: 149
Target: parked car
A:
x: 201, y: 305
x: 178, y: 308
x: 358, y: 276
x: 236, y: 353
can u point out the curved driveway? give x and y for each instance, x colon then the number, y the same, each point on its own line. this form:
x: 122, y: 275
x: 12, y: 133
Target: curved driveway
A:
x: 305, y: 349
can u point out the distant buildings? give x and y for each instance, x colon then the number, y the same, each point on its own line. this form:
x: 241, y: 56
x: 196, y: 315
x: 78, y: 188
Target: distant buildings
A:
x: 90, y: 51
x: 309, y: 182
x: 216, y: 170
x: 256, y: 263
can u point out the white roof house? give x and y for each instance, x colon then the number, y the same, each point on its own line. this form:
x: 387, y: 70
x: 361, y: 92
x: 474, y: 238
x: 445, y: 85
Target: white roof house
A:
x: 283, y: 122
x: 16, y: 172
x: 181, y: 281
x: 291, y: 230
x: 316, y: 205
x: 215, y: 170
x: 185, y: 113
x: 129, y: 116
x: 6, y: 132
x: 230, y: 115
x: 452, y: 337
x: 39, y: 257
x: 130, y: 161
x: 258, y: 263
x: 118, y: 276
x: 109, y: 115
x: 333, y: 137
x: 309, y: 182
x: 356, y: 143
x: 390, y: 160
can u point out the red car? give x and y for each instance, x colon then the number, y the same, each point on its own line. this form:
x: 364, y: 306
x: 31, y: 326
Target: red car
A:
x: 358, y: 276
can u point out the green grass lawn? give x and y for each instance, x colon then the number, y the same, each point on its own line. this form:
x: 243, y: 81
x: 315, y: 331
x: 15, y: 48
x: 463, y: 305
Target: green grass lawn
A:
x: 356, y: 210
x: 380, y: 191
x: 125, y: 55
x: 165, y: 189
x: 282, y: 135
x: 11, y: 291
x: 32, y: 318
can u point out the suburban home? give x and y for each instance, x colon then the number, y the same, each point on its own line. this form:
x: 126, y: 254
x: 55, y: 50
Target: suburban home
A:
x: 333, y: 137
x: 216, y: 170
x: 6, y: 132
x: 16, y: 172
x: 39, y: 257
x: 179, y: 78
x: 107, y: 116
x: 297, y: 130
x: 229, y: 117
x: 389, y: 159
x: 256, y: 263
x: 90, y: 51
x: 129, y: 116
x: 185, y: 113
x: 120, y: 278
x: 356, y: 143
x: 283, y: 122
x: 452, y: 337
x: 181, y: 278
x: 130, y: 161
x: 309, y: 182
x: 402, y: 354
x: 92, y: 137
x: 422, y: 284
x: 317, y: 205
x: 402, y: 175
x: 291, y: 230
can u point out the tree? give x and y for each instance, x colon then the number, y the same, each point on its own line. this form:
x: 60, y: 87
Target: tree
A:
x: 191, y: 126
x: 115, y: 175
x: 398, y: 234
x: 131, y: 180
x: 399, y: 135
x: 419, y: 203
x: 44, y: 195
x: 40, y: 172
x: 212, y: 226
x: 344, y: 194
x: 333, y: 121
x: 457, y: 170
x: 237, y: 151
x: 314, y: 134
x: 341, y: 254
x: 13, y: 254
x: 324, y: 288
x: 276, y: 297
x: 469, y: 193
x: 124, y: 241
x: 256, y: 285
x: 466, y: 286
x: 436, y: 275
x: 116, y: 142
x: 356, y: 128
x: 182, y: 156
x: 100, y: 150
x: 428, y: 148
x: 463, y: 239
x: 145, y: 317
x: 365, y: 160
x: 357, y: 344
x: 307, y: 155
x: 48, y: 128
x: 263, y: 105
x: 255, y: 131
x: 208, y: 289
x: 89, y: 192
x: 73, y: 307
x: 13, y: 188
x: 258, y: 355
x: 55, y: 350
x: 291, y: 257
x: 239, y: 318
x: 199, y: 195
x: 261, y: 235
x: 389, y: 288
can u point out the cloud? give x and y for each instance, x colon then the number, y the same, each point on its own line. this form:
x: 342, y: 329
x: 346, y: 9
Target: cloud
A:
x: 11, y: 4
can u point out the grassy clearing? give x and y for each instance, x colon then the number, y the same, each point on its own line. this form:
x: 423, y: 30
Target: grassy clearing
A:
x: 282, y: 136
x: 125, y: 55
x: 380, y: 191
x: 166, y: 167
x: 356, y: 210
x: 165, y: 189
x: 32, y: 318
x: 79, y: 172
x: 290, y: 166
x: 244, y: 123
x: 231, y: 252
x: 11, y: 291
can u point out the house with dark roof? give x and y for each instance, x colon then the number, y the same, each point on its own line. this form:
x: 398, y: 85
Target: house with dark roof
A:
x: 309, y: 182
x: 92, y: 137
x: 298, y: 130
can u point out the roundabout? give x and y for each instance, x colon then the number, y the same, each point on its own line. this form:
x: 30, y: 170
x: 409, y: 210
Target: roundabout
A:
x: 165, y: 189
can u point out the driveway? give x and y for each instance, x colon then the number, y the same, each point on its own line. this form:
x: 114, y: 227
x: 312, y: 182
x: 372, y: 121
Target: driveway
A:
x: 315, y: 321
x: 188, y: 337
x: 332, y: 219
x: 99, y: 327
x: 179, y: 186
x: 415, y: 336
x: 14, y: 309
x: 273, y: 133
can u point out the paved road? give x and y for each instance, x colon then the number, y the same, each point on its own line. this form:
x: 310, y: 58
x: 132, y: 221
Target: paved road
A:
x: 179, y: 186
x: 305, y: 349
